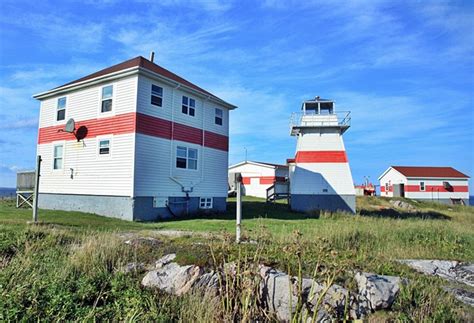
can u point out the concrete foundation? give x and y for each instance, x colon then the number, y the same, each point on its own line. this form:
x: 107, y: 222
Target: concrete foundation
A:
x: 333, y: 203
x: 442, y: 201
x: 125, y: 207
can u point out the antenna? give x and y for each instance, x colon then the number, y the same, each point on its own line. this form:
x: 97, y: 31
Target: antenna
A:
x: 70, y: 126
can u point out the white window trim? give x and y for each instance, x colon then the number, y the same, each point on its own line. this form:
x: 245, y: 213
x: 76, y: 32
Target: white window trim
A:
x: 110, y: 138
x: 187, y: 158
x: 101, y: 114
x: 55, y: 144
x: 424, y: 186
x: 58, y: 122
x: 188, y: 105
x: 222, y: 117
x: 205, y: 200
x: 162, y: 95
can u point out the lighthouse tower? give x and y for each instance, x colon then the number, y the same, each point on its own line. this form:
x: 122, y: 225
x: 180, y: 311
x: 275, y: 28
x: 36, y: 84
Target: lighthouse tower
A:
x: 320, y: 176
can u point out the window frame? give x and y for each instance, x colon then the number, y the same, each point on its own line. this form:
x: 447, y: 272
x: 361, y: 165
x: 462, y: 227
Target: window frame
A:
x: 217, y: 117
x: 387, y: 187
x: 65, y: 109
x: 422, y: 186
x: 187, y: 158
x: 206, y: 203
x: 112, y: 110
x: 188, y: 106
x: 103, y: 138
x: 54, y: 145
x: 155, y: 95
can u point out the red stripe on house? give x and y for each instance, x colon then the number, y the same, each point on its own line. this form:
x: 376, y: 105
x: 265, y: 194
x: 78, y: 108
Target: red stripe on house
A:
x: 140, y: 123
x: 245, y: 180
x: 121, y: 124
x: 436, y: 188
x: 321, y: 157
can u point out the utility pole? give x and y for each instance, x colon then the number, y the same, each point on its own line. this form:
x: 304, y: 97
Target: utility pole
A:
x: 35, y: 196
x: 238, y: 208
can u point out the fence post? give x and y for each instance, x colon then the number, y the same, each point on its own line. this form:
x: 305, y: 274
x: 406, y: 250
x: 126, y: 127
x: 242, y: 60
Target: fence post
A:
x: 35, y: 196
x: 238, y: 207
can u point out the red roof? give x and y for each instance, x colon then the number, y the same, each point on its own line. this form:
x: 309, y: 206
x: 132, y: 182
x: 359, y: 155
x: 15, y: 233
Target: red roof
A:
x: 146, y: 64
x: 421, y: 171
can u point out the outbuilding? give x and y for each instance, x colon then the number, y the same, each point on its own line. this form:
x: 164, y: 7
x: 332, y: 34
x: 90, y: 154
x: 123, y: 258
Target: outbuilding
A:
x: 259, y: 177
x: 133, y: 141
x: 438, y: 184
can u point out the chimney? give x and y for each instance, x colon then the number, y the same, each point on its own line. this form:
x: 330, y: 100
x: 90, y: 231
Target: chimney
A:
x: 152, y: 56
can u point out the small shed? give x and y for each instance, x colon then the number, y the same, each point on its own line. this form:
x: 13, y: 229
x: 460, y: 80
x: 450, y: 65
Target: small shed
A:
x: 438, y: 184
x: 258, y: 178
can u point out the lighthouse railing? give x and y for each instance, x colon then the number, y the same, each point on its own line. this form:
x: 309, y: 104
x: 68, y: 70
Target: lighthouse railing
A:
x: 311, y: 119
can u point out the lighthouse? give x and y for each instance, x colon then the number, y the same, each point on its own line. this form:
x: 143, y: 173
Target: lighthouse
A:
x: 320, y: 176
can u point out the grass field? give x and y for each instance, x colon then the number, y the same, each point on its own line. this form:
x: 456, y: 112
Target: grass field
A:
x: 66, y: 268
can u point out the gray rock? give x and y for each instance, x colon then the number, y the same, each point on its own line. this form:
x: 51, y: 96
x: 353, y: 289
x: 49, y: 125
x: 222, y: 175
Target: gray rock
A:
x: 277, y: 294
x: 380, y: 291
x: 209, y: 283
x: 402, y: 205
x: 172, y: 278
x: 133, y: 267
x: 447, y: 269
x: 465, y: 296
x: 165, y: 260
x: 143, y: 241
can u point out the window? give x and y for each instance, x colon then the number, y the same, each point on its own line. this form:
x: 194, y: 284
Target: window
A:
x: 186, y: 157
x: 386, y: 186
x: 107, y: 93
x: 61, y: 109
x: 422, y: 186
x: 58, y: 157
x: 218, y: 117
x: 156, y: 95
x: 188, y: 106
x: 104, y: 147
x: 205, y: 203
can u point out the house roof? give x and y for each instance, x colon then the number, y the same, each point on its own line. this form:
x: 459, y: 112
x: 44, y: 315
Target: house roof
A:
x: 259, y: 163
x: 422, y: 171
x: 140, y: 62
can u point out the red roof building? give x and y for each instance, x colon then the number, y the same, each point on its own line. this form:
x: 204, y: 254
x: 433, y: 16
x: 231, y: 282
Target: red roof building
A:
x: 439, y: 184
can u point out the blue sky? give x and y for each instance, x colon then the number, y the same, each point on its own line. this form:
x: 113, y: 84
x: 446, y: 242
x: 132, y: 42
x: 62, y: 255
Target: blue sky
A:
x: 404, y: 69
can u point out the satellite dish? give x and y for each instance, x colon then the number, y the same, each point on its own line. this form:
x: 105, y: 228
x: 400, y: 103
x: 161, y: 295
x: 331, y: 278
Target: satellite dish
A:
x: 70, y: 126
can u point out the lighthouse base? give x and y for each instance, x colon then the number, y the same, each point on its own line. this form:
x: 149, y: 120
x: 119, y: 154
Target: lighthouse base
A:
x: 332, y: 203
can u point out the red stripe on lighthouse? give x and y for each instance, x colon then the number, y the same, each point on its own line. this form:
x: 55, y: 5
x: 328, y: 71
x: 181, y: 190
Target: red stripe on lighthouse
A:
x: 321, y: 157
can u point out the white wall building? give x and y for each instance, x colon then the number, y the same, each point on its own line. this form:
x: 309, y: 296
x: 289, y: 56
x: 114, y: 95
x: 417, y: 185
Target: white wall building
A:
x: 257, y: 177
x: 438, y: 184
x: 149, y: 144
x: 320, y: 176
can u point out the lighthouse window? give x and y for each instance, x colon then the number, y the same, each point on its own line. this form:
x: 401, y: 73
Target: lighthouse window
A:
x: 107, y: 93
x: 188, y: 106
x: 186, y: 157
x: 218, y: 117
x: 422, y: 186
x: 156, y: 95
x: 61, y: 109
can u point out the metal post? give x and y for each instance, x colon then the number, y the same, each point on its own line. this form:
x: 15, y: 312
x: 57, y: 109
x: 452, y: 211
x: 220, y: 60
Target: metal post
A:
x: 35, y: 196
x: 238, y: 208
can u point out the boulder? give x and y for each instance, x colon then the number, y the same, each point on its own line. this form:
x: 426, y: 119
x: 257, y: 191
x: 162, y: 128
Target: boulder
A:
x: 143, y: 241
x: 402, y: 205
x: 209, y: 283
x: 133, y: 267
x: 276, y: 293
x: 379, y: 290
x: 172, y: 278
x: 165, y: 260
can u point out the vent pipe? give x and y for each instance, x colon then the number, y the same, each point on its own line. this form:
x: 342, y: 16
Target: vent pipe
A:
x: 152, y: 56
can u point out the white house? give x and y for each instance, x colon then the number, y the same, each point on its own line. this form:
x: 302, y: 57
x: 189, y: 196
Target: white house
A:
x: 257, y: 177
x: 320, y: 175
x: 147, y: 144
x: 439, y: 184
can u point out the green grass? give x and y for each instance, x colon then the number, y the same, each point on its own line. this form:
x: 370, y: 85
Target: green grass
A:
x: 66, y: 268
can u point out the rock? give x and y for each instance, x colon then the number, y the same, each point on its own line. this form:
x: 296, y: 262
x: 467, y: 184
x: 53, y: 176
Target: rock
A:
x: 450, y: 270
x: 277, y: 295
x: 172, y: 278
x: 465, y: 296
x: 380, y: 291
x: 209, y: 283
x: 143, y: 241
x: 133, y: 267
x: 402, y: 205
x: 166, y: 259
